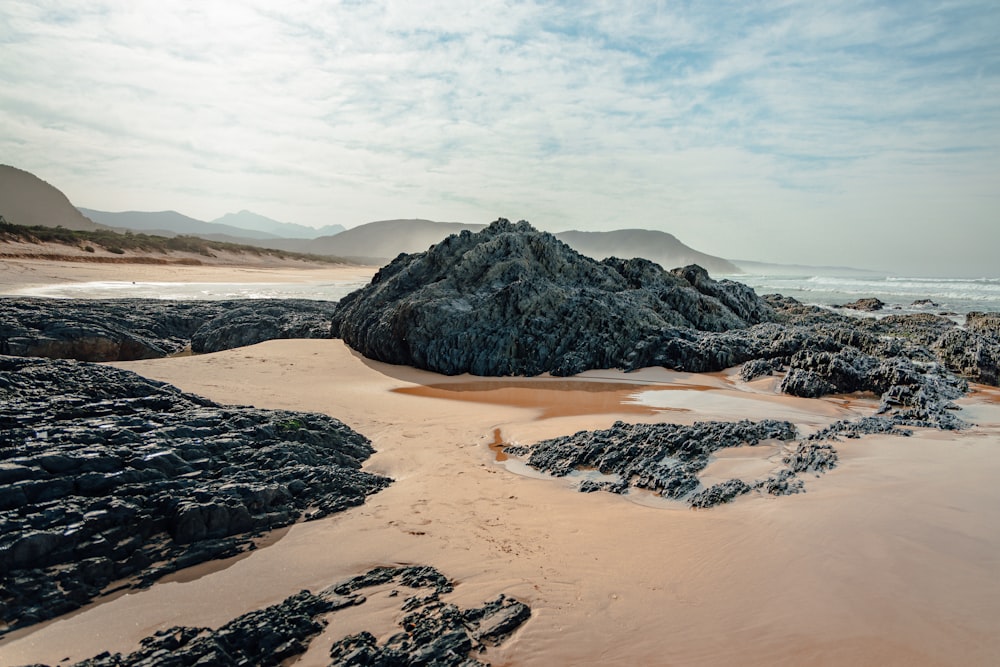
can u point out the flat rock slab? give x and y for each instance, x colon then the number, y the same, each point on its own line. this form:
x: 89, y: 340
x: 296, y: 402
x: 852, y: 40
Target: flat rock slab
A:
x: 107, y: 476
x: 129, y: 329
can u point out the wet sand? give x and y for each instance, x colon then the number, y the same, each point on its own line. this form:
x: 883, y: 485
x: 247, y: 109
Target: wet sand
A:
x: 892, y: 558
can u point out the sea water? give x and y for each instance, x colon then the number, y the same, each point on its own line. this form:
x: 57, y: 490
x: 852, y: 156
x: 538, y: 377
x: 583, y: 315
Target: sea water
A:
x: 947, y: 295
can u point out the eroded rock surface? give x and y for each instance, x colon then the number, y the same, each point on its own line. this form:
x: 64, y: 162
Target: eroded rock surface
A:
x: 432, y: 632
x: 662, y: 458
x: 129, y: 329
x: 106, y: 476
x: 870, y: 305
x: 510, y: 300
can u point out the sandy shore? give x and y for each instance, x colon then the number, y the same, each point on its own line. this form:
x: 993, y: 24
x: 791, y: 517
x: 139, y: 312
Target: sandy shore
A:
x: 893, y: 558
x: 27, y: 272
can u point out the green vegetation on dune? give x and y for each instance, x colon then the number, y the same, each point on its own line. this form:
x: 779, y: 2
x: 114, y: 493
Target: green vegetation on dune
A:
x: 116, y: 243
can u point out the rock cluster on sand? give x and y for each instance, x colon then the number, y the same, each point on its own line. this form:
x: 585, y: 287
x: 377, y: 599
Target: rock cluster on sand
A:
x: 432, y: 632
x: 662, y: 458
x: 128, y: 329
x: 909, y: 361
x: 510, y: 300
x: 105, y: 475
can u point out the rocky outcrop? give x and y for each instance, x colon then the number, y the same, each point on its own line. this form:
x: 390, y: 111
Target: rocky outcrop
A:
x: 869, y: 305
x: 510, y: 300
x: 255, y: 322
x: 974, y: 351
x: 908, y: 361
x: 432, y: 632
x: 662, y: 458
x: 129, y: 329
x: 109, y: 477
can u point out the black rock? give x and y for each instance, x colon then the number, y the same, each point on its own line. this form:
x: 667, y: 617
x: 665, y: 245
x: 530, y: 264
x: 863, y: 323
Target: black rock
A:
x: 974, y: 351
x: 720, y: 493
x: 663, y: 458
x: 129, y: 329
x: 107, y: 473
x: 432, y: 632
x: 510, y: 300
x: 756, y: 368
x: 870, y: 305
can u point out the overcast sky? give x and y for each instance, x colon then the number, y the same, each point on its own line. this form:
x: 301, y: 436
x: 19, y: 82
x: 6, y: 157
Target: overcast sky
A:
x: 865, y: 135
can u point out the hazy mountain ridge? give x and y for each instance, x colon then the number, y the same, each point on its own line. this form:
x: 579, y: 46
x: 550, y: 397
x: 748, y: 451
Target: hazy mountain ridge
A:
x: 256, y: 222
x: 385, y: 239
x: 660, y: 247
x: 167, y: 223
x: 25, y: 199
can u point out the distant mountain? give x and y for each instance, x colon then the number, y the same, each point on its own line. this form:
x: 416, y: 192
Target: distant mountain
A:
x: 659, y: 247
x: 168, y: 222
x: 384, y: 239
x: 289, y: 230
x: 27, y: 200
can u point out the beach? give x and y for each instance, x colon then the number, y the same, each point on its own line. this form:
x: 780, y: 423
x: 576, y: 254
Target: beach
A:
x: 891, y: 558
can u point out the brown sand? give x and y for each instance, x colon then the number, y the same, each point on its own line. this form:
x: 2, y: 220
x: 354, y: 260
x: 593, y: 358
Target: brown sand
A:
x: 893, y: 558
x: 17, y: 273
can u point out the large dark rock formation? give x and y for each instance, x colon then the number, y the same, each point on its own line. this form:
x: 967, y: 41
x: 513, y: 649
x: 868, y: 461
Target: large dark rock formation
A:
x: 129, y: 329
x: 510, y: 300
x: 908, y: 361
x: 432, y: 632
x: 107, y: 476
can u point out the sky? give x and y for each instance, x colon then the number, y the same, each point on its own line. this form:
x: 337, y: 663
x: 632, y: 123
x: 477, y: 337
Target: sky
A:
x: 853, y: 133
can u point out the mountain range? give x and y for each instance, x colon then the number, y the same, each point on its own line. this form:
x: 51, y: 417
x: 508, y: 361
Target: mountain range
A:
x: 242, y: 225
x: 26, y: 199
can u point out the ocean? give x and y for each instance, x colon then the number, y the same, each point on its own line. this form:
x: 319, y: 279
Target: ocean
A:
x: 953, y: 296
x: 956, y: 296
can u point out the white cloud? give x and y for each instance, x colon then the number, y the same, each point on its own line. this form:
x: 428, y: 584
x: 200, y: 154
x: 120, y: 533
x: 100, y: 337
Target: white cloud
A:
x: 731, y: 125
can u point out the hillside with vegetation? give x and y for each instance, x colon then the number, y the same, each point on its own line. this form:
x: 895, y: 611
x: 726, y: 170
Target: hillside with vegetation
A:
x: 118, y: 244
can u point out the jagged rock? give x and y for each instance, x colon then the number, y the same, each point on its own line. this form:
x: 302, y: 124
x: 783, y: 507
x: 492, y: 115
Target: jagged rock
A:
x: 973, y: 352
x: 870, y: 305
x: 510, y: 300
x: 129, y: 329
x: 436, y: 633
x: 987, y: 324
x: 258, y: 322
x: 664, y: 458
x: 110, y: 476
x: 806, y: 383
x: 812, y: 457
x: 757, y: 368
x: 720, y: 493
x: 432, y: 632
